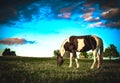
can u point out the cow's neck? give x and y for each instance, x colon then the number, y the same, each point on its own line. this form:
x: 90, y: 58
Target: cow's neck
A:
x: 62, y: 51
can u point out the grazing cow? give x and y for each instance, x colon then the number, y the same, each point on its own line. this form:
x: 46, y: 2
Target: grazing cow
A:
x: 85, y: 43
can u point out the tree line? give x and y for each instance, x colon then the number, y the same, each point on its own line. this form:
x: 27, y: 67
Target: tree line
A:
x: 110, y: 52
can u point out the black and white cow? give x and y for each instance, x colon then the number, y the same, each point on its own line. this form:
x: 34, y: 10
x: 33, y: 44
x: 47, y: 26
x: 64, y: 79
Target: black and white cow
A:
x: 75, y: 44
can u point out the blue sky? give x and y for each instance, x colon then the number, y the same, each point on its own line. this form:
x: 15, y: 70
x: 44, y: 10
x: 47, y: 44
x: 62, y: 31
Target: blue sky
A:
x: 40, y: 27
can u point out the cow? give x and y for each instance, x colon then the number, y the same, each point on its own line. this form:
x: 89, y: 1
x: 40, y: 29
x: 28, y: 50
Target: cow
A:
x: 84, y: 43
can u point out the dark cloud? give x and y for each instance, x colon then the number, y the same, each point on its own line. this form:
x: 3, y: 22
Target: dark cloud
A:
x: 113, y: 24
x: 15, y: 41
x: 9, y: 9
x: 111, y: 13
x: 105, y: 12
x: 112, y: 17
x: 106, y: 4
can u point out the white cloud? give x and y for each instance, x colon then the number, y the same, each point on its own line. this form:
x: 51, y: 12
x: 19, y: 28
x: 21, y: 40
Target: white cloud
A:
x: 97, y: 24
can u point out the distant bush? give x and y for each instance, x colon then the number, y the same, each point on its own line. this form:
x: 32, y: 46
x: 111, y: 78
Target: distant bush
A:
x: 7, y: 52
x: 111, y: 51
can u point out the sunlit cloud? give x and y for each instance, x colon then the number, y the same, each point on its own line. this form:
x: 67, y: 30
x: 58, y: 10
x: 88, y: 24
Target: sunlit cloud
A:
x: 91, y: 19
x: 97, y: 24
x: 15, y: 41
x: 64, y: 15
x: 87, y: 15
x: 111, y: 13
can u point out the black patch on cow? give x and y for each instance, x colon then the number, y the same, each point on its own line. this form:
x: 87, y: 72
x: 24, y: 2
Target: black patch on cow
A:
x: 90, y: 43
x: 72, y: 45
x: 93, y: 43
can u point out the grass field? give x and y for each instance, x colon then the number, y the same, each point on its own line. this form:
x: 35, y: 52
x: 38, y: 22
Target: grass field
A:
x: 45, y: 70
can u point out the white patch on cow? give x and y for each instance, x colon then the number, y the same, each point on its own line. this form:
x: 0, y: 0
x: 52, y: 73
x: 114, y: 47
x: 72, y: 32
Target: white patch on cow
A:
x: 95, y: 52
x: 80, y: 44
x: 62, y: 50
x: 97, y: 41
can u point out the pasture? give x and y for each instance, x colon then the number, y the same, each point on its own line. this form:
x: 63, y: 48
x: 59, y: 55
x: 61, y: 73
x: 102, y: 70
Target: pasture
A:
x: 45, y: 70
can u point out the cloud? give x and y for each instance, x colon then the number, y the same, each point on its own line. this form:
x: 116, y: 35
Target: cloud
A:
x: 8, y: 9
x: 97, y: 24
x: 15, y: 41
x: 70, y: 8
x: 113, y: 24
x: 106, y: 4
x: 64, y: 15
x: 112, y: 17
x: 93, y: 11
x: 111, y: 13
x: 88, y: 16
x: 8, y: 12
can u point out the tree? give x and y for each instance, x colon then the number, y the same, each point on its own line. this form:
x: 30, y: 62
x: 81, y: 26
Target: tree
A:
x: 111, y: 51
x: 12, y: 53
x: 90, y: 54
x: 8, y: 52
x: 84, y: 54
x: 56, y: 52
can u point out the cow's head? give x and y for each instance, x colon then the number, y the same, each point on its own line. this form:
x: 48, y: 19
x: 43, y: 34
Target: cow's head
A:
x: 59, y: 59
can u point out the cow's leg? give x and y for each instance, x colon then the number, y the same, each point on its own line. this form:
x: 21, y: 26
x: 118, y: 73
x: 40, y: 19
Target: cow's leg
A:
x: 76, y: 60
x: 70, y: 64
x: 77, y: 63
x: 94, y: 55
x: 99, y: 58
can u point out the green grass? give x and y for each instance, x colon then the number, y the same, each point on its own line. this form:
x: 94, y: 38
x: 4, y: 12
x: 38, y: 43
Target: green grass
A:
x: 45, y: 70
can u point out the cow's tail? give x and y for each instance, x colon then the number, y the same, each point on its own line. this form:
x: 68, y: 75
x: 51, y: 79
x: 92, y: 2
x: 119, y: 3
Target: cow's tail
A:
x: 101, y: 51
